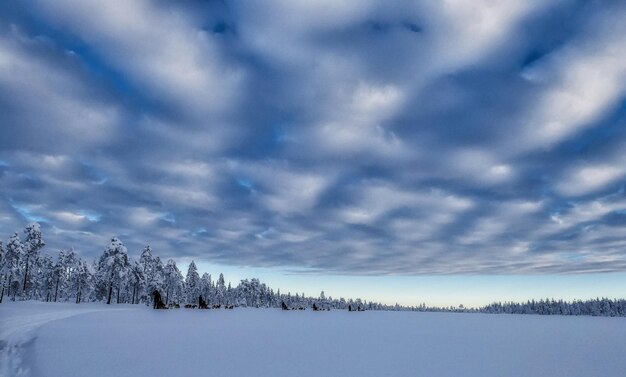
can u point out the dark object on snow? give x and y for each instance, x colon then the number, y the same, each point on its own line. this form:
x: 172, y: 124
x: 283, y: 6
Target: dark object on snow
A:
x: 158, y: 302
x: 229, y: 306
x: 202, y: 304
x: 350, y: 308
x: 190, y: 306
x: 361, y: 309
x: 315, y: 307
x: 284, y: 306
x: 217, y: 306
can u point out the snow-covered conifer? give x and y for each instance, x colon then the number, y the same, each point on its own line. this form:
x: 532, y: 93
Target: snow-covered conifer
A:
x: 80, y: 282
x: 45, y: 277
x: 155, y: 279
x: 14, y: 255
x: 33, y: 243
x: 206, y: 287
x: 114, y: 267
x: 59, y: 274
x: 192, y: 284
x: 137, y: 281
x: 2, y: 273
x: 220, y: 290
x: 173, y: 281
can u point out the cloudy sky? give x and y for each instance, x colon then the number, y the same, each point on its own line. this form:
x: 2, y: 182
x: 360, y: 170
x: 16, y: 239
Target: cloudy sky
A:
x: 369, y: 143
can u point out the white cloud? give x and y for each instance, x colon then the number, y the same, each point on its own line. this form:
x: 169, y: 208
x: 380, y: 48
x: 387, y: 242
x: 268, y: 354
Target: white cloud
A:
x: 464, y: 30
x: 190, y: 169
x: 141, y: 216
x: 282, y: 189
x: 479, y: 166
x: 159, y: 49
x: 579, y: 83
x: 509, y: 218
x: 587, y: 179
x: 371, y: 200
x: 354, y: 124
x: 54, y: 102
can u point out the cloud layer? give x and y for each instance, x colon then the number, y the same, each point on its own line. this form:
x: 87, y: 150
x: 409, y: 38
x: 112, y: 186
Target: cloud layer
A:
x: 402, y: 137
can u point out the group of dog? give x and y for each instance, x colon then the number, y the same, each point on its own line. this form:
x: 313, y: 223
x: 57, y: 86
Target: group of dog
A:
x: 315, y: 307
x: 202, y: 304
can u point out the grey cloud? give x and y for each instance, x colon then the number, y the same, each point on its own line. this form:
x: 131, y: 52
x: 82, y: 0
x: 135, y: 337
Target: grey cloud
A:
x: 404, y: 138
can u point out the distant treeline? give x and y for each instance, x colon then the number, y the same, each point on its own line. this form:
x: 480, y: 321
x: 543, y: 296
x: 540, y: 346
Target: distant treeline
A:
x: 28, y: 274
x: 596, y: 307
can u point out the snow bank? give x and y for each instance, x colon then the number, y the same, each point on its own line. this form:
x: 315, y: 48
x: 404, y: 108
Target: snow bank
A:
x: 18, y: 324
x: 268, y: 342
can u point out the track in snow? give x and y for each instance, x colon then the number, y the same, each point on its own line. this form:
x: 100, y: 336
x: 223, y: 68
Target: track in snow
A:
x: 18, y: 326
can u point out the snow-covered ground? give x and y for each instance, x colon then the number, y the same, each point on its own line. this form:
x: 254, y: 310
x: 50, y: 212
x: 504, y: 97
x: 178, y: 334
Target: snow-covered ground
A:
x: 67, y: 340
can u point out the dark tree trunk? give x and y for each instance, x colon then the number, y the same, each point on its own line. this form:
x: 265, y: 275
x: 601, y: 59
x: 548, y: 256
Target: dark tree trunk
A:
x: 25, y: 277
x: 2, y: 294
x: 110, y: 293
x: 56, y: 290
x: 78, y: 294
x: 134, y: 293
x: 118, y: 294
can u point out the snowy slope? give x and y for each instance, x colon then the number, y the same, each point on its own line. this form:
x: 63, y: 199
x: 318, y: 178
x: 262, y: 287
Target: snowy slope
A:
x: 268, y: 342
x: 18, y: 325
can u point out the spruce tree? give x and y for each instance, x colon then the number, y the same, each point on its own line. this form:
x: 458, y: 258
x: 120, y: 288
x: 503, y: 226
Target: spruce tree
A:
x: 33, y: 243
x: 192, y: 284
x: 14, y: 255
x: 2, y: 272
x: 114, y: 267
x: 173, y: 282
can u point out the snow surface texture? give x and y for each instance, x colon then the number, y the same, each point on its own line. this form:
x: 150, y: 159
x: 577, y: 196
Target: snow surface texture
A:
x: 268, y: 342
x: 18, y: 325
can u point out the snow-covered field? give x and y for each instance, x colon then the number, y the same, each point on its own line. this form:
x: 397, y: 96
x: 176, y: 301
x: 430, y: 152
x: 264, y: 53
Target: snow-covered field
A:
x: 65, y: 340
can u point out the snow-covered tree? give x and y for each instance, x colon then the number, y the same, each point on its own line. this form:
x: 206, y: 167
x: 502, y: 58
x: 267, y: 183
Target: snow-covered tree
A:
x: 33, y: 243
x: 79, y: 283
x: 155, y: 279
x: 138, y: 281
x: 173, y: 282
x: 14, y: 255
x: 206, y: 287
x: 69, y: 262
x: 192, y: 284
x: 2, y: 272
x: 45, y: 277
x: 146, y: 259
x: 114, y: 267
x: 220, y: 293
x: 59, y: 274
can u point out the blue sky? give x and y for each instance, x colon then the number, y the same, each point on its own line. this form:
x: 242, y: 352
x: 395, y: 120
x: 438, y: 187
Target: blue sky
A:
x: 394, y: 149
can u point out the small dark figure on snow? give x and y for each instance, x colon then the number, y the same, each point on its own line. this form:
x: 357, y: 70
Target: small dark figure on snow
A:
x: 158, y: 302
x: 315, y: 307
x: 284, y: 306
